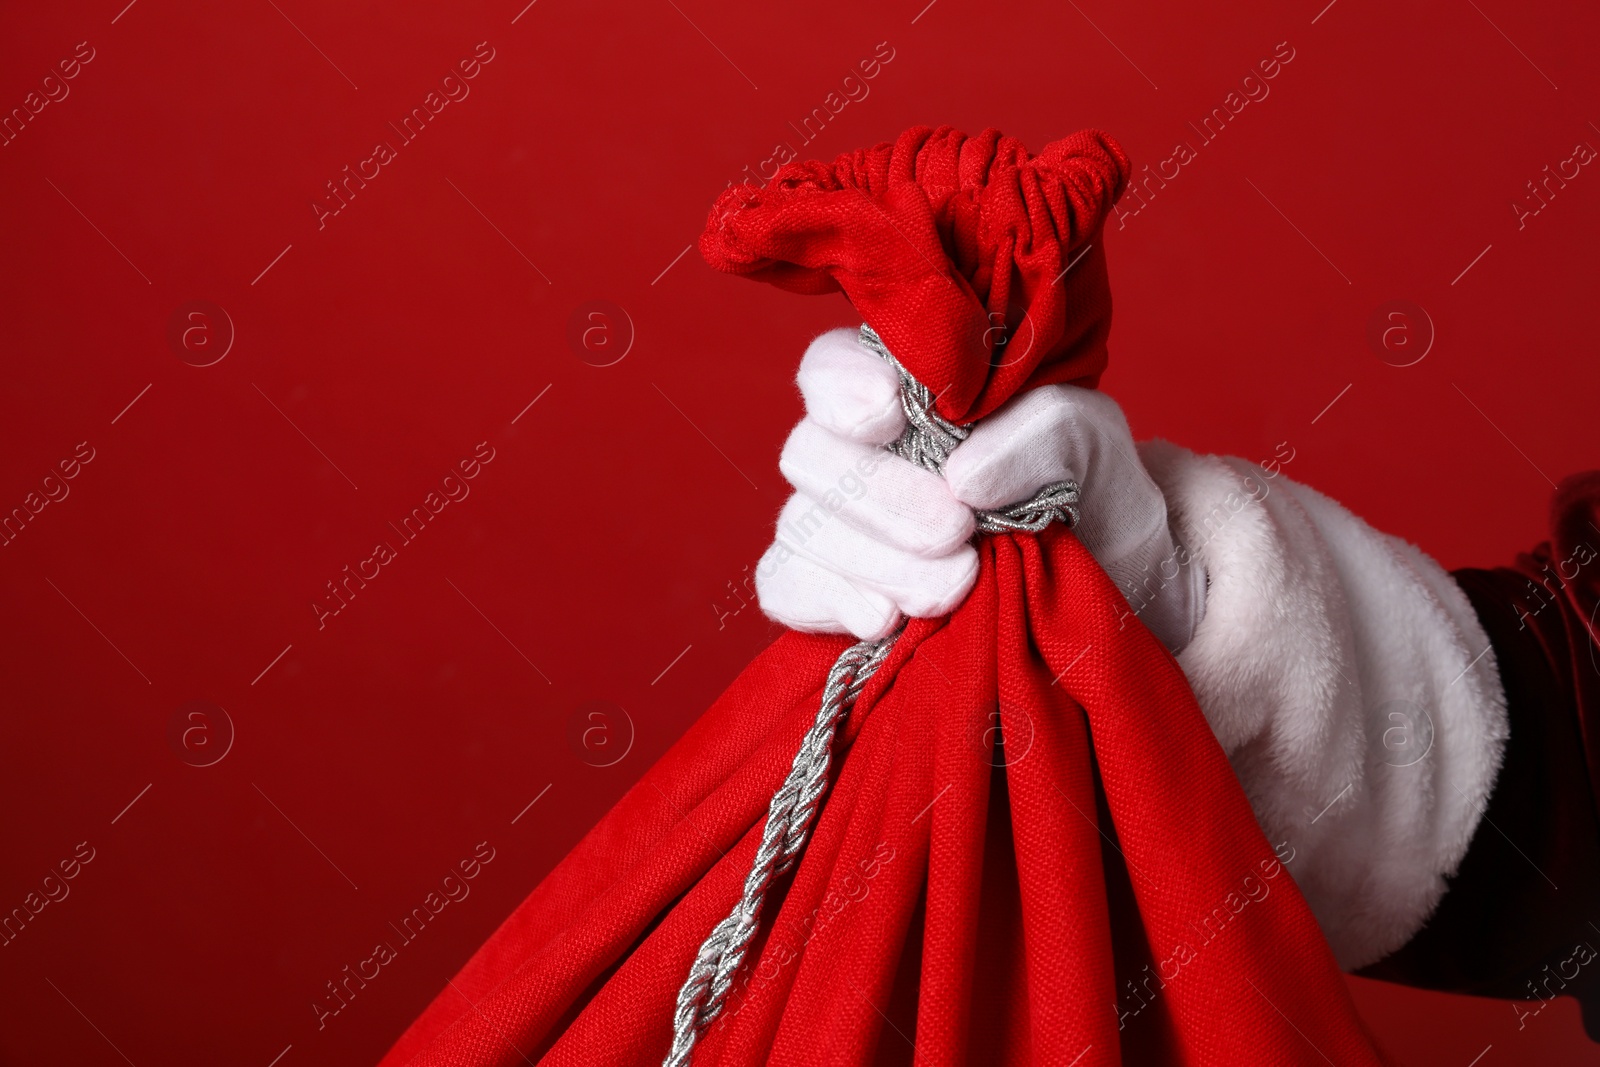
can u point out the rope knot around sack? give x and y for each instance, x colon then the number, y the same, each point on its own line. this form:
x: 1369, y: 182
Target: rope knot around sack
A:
x: 927, y: 441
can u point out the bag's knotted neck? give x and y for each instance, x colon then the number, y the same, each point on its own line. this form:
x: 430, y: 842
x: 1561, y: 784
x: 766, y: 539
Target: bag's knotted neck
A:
x: 929, y: 438
x: 927, y: 441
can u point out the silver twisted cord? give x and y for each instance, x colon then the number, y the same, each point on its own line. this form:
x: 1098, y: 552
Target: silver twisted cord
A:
x: 789, y: 818
x: 1057, y: 502
x: 927, y: 441
x: 929, y: 438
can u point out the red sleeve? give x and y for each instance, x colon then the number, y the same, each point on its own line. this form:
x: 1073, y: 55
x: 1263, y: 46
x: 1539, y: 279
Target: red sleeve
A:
x: 1515, y: 922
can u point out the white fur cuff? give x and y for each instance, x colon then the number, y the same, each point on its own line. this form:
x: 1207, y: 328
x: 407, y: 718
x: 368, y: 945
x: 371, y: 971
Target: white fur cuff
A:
x: 1351, y: 685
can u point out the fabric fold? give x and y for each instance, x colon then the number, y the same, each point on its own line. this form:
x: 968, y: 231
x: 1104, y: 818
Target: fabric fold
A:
x: 1028, y: 806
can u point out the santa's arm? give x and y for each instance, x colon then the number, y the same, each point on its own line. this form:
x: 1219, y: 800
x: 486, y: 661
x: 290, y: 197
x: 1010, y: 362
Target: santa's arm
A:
x: 1352, y: 686
x: 1518, y: 920
x: 1421, y: 743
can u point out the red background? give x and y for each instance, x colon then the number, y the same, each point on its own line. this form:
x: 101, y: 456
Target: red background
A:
x: 589, y: 559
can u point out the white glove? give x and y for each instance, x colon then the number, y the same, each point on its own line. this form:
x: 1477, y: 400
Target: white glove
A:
x: 870, y: 536
x: 1066, y: 433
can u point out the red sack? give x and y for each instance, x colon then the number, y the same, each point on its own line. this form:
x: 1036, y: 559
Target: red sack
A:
x: 1034, y: 850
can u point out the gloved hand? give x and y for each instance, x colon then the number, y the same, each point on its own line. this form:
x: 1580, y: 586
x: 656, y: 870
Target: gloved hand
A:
x: 1064, y: 432
x: 867, y: 536
x: 870, y: 536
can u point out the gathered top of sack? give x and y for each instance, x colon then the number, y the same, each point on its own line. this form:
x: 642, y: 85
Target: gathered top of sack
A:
x: 979, y: 265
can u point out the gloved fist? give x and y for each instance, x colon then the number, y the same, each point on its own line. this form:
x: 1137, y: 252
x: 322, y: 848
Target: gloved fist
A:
x: 869, y: 537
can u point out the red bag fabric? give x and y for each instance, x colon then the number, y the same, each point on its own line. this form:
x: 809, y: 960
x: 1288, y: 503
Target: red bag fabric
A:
x: 978, y: 265
x: 1103, y: 896
x: 1034, y: 850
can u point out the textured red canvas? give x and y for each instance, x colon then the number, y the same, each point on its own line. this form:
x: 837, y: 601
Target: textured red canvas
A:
x: 978, y: 263
x: 1094, y: 891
